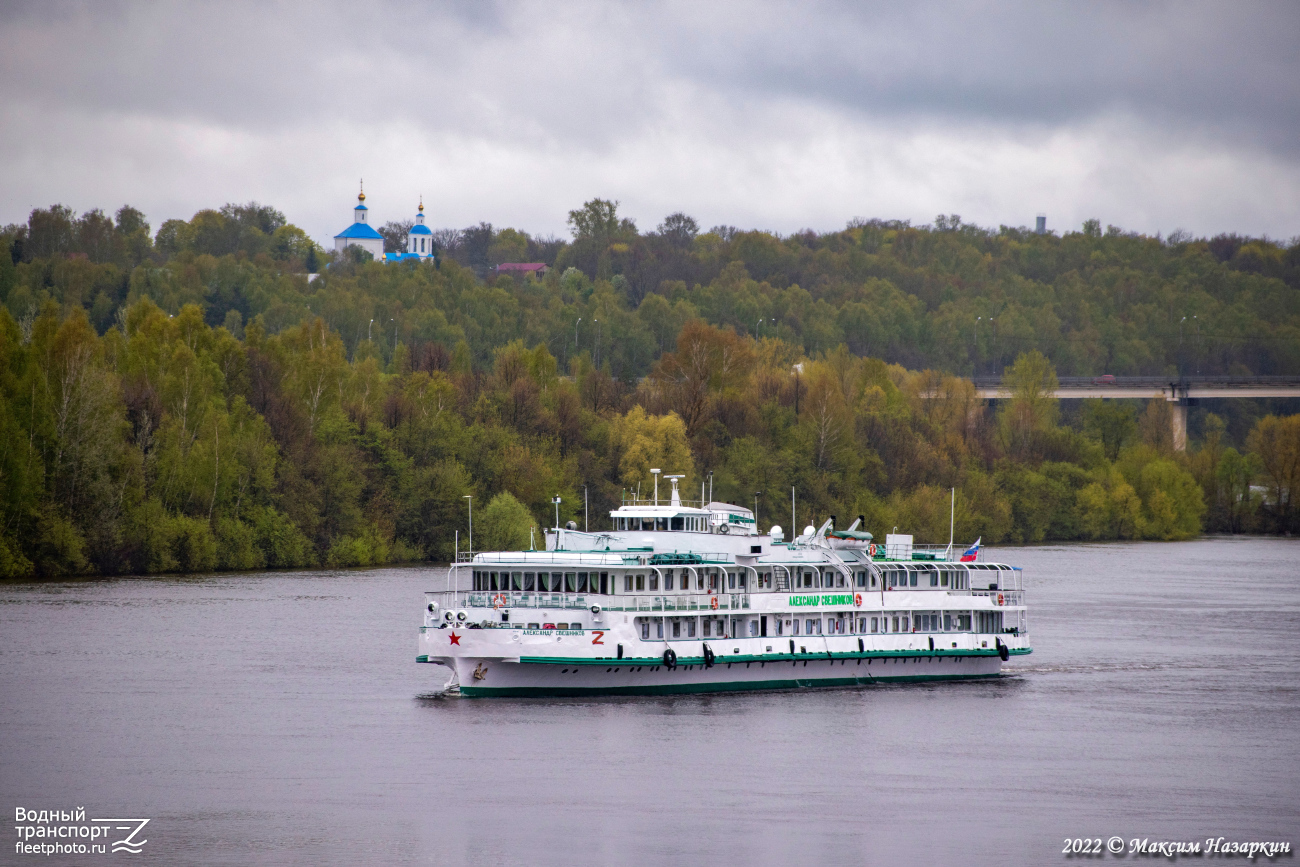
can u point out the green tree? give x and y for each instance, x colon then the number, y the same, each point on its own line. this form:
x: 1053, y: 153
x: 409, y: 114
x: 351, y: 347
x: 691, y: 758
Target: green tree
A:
x: 1033, y: 408
x: 1276, y: 441
x: 598, y: 220
x: 505, y: 525
x: 1110, y: 508
x: 1235, y: 473
x: 643, y: 441
x: 1111, y: 423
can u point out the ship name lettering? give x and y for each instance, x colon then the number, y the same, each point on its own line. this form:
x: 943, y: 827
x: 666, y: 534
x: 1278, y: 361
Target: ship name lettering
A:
x: 824, y: 599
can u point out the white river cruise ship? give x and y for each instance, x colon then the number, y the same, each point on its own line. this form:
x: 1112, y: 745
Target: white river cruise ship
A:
x: 682, y: 597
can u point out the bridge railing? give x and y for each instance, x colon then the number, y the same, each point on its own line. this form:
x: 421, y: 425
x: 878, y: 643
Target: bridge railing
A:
x: 1150, y: 381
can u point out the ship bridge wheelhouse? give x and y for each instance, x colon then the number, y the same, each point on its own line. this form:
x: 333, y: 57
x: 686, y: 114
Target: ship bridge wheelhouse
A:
x: 663, y: 519
x: 722, y: 518
x: 681, y: 516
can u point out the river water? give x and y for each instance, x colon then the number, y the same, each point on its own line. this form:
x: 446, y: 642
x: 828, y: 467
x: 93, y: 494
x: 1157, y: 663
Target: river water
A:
x: 280, y: 718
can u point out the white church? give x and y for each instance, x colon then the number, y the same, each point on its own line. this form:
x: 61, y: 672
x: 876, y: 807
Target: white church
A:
x: 419, y: 242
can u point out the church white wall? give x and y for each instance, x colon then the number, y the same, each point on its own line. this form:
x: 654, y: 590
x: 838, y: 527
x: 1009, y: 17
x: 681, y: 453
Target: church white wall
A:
x: 375, y: 246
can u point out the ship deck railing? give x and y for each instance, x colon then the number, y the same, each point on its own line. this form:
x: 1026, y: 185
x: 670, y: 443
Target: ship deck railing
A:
x: 916, y: 553
x: 685, y: 602
x: 1008, y: 597
x: 521, y: 560
x: 692, y: 602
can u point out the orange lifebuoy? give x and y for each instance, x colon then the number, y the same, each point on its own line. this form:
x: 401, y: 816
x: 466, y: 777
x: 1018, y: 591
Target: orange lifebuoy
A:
x: 857, y: 599
x: 713, y: 603
x: 999, y: 598
x: 499, y: 601
x: 871, y: 549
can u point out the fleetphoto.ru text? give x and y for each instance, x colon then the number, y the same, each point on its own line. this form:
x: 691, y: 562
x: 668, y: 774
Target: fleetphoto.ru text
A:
x: 69, y: 832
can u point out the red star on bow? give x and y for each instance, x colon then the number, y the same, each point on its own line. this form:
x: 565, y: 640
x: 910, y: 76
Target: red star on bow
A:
x: 455, y: 639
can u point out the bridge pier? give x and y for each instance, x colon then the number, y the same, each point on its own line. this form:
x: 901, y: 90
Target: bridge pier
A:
x: 1179, y: 419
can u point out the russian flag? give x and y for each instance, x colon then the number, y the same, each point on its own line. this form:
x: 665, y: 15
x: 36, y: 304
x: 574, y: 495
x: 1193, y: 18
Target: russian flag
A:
x: 971, y: 553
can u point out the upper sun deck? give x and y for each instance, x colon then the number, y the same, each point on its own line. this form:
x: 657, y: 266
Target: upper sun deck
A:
x: 683, y: 516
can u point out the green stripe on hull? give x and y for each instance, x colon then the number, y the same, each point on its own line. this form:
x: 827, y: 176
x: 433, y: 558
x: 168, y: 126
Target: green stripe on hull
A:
x: 688, y: 688
x: 773, y: 658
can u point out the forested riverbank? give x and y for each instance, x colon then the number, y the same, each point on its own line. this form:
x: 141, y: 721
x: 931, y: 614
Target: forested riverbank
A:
x: 189, y: 399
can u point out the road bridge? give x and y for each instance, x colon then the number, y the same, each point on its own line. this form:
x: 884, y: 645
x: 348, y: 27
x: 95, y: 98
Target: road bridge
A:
x: 1182, y: 392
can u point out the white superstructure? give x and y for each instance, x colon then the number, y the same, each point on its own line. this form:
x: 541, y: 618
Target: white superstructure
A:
x: 690, y: 598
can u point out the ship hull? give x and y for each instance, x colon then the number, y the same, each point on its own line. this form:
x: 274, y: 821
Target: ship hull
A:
x: 484, y: 677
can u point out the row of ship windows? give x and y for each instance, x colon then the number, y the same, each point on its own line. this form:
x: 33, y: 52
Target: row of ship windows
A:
x: 542, y: 582
x: 690, y: 525
x: 599, y: 582
x: 711, y: 627
x: 985, y: 621
x: 711, y: 580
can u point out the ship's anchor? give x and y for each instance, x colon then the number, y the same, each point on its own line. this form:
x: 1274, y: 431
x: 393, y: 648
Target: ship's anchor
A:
x: 480, y: 672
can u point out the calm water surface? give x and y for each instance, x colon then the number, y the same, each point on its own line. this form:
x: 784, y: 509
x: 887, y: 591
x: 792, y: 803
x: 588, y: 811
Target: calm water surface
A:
x: 281, y: 719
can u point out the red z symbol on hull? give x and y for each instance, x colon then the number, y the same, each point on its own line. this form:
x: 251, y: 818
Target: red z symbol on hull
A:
x: 599, y: 636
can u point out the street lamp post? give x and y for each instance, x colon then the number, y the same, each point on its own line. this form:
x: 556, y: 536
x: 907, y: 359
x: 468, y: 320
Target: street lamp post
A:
x: 585, y: 526
x: 1180, y: 346
x: 993, y: 350
x: 756, y: 496
x: 368, y: 328
x: 556, y: 502
x: 471, y: 524
x: 575, y: 335
x: 1198, y: 344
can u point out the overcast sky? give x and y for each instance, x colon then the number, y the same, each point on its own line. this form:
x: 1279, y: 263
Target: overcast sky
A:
x: 779, y: 116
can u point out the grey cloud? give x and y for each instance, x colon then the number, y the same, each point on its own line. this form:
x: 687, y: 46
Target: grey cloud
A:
x: 786, y: 114
x: 1232, y: 68
x: 1225, y: 68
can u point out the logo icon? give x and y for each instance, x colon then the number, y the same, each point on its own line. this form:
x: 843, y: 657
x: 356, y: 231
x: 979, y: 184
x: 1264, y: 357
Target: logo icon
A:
x: 127, y: 843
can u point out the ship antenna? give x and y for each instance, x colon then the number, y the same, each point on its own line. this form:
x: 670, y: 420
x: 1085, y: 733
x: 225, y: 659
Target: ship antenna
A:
x: 952, y: 523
